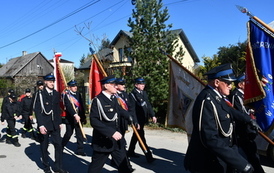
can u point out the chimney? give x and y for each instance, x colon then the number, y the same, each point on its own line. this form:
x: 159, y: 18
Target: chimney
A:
x: 24, y: 53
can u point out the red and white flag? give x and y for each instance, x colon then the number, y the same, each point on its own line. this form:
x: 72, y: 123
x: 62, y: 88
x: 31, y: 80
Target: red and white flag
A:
x: 60, y: 81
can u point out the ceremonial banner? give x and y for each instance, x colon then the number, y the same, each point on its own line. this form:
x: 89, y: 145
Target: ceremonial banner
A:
x: 184, y: 88
x: 259, y: 74
x: 96, y: 74
x: 60, y: 81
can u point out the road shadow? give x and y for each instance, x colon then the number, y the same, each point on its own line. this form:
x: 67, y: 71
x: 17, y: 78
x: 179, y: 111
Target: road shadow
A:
x: 74, y: 163
x: 33, y: 152
x: 266, y: 161
x: 167, y: 161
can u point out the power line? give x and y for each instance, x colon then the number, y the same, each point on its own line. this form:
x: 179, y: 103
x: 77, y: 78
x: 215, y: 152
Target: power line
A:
x: 84, y: 22
x: 59, y: 20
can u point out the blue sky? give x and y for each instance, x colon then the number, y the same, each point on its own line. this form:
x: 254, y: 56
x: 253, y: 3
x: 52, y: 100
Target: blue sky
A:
x: 47, y: 25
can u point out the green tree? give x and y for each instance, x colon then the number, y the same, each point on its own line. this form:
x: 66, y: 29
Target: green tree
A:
x: 209, y: 63
x: 150, y: 36
x: 82, y: 60
x: 234, y: 54
x: 105, y: 43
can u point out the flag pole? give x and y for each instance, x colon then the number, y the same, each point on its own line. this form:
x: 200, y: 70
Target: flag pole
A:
x: 100, y: 65
x: 245, y: 10
x: 80, y: 124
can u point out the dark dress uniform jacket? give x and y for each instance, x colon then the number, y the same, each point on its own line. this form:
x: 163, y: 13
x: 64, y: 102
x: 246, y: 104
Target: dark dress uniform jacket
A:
x: 70, y: 111
x: 5, y: 101
x: 209, y: 150
x: 142, y: 106
x: 10, y: 110
x: 103, y: 130
x: 131, y: 110
x: 51, y: 121
x: 236, y: 97
x: 26, y: 104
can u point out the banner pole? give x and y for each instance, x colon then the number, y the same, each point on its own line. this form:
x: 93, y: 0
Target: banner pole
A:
x: 245, y: 10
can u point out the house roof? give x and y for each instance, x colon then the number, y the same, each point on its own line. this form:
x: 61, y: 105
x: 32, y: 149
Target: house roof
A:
x: 179, y: 32
x: 14, y: 65
x: 86, y: 65
x: 61, y: 61
x: 104, y: 54
x: 117, y: 37
x: 187, y: 44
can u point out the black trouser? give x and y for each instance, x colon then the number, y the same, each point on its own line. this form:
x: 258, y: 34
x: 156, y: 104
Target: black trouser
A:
x: 118, y: 155
x: 70, y: 126
x: 249, y: 148
x: 134, y: 140
x: 27, y: 126
x: 11, y: 131
x: 56, y: 141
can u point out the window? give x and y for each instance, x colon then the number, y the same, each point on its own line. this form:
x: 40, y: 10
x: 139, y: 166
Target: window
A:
x: 121, y: 54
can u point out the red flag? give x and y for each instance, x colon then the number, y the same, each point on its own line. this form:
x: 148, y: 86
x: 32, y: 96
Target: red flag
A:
x: 253, y: 89
x: 60, y: 81
x: 96, y: 74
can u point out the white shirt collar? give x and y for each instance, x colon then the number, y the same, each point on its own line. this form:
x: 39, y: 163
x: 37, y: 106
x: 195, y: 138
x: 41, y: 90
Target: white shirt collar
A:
x: 107, y: 95
x: 241, y: 90
x: 49, y: 90
x: 215, y: 91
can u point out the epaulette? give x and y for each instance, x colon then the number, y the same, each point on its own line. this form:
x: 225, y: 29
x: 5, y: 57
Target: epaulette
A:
x: 208, y: 97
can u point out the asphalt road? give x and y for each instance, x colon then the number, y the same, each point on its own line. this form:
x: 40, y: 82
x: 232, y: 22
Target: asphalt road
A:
x: 168, y: 148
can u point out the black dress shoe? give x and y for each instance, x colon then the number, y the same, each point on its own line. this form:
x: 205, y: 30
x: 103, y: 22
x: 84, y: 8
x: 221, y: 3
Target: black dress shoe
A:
x: 81, y: 153
x: 8, y: 142
x: 17, y: 144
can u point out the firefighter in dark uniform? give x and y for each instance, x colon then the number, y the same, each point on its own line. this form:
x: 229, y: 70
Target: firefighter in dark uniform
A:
x: 5, y: 101
x: 143, y: 109
x: 107, y: 138
x: 211, y: 147
x: 48, y: 113
x: 74, y: 115
x: 123, y: 100
x: 26, y: 112
x: 245, y: 133
x: 11, y: 112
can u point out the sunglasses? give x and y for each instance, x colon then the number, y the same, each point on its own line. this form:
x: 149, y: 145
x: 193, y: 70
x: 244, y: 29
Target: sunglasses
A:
x: 225, y: 81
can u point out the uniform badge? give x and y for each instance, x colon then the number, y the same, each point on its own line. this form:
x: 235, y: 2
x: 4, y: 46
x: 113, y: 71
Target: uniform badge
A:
x: 227, y: 116
x: 218, y: 98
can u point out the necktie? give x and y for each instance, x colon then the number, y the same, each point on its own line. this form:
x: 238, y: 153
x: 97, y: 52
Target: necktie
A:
x: 112, y: 97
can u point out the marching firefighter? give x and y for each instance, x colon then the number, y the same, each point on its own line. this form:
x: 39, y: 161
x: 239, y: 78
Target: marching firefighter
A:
x: 26, y: 112
x: 11, y: 112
